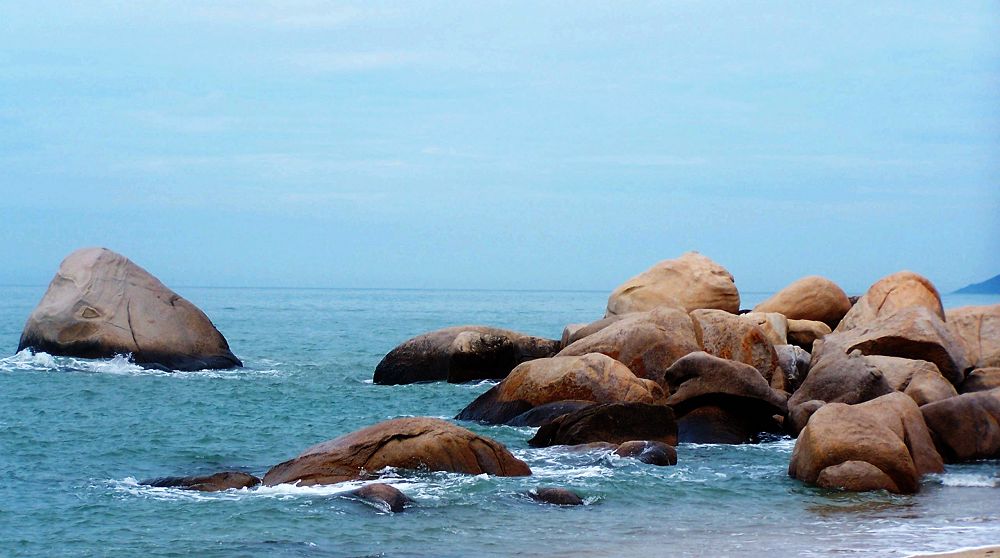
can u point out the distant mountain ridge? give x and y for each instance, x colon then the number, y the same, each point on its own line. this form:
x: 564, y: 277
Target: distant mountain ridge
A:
x: 989, y: 286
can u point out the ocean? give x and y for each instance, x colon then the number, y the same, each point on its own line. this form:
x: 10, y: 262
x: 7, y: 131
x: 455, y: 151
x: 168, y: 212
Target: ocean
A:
x: 77, y: 435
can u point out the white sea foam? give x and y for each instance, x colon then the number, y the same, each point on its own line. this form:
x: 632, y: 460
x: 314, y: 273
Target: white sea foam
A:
x: 967, y: 480
x: 121, y: 365
x: 132, y: 487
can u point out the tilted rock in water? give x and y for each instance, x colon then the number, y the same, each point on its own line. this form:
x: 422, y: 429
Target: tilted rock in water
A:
x: 460, y: 354
x: 100, y: 304
x: 207, y: 483
x: 646, y: 342
x: 689, y: 282
x: 557, y: 496
x: 649, y: 452
x: 977, y: 328
x: 406, y: 443
x: 383, y: 496
x: 981, y: 379
x: 966, y: 427
x: 919, y: 379
x: 806, y: 332
x: 881, y: 444
x: 591, y: 377
x: 890, y: 295
x: 615, y: 423
x: 721, y: 401
x: 810, y: 298
x: 794, y: 362
x: 732, y: 337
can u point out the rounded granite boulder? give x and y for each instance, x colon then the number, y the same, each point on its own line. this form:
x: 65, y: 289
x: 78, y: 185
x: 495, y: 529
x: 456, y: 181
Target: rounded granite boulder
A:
x: 689, y: 282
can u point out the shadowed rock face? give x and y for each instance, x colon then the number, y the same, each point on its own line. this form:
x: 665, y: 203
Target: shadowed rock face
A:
x: 406, y: 443
x: 967, y: 426
x: 615, y: 423
x: 460, y: 354
x: 100, y: 304
x: 207, y: 483
x: 981, y: 379
x: 689, y: 282
x: 810, y: 298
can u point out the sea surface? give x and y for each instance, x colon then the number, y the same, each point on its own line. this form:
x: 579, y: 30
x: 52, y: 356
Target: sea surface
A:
x: 77, y: 435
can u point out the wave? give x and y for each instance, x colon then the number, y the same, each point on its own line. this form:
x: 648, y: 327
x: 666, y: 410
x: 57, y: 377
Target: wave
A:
x: 971, y: 480
x: 121, y: 365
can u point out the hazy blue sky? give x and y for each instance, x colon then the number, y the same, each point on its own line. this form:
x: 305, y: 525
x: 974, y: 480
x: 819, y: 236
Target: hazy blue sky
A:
x: 501, y: 145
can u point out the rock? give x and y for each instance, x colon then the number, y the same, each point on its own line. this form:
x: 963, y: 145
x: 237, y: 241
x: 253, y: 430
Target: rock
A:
x: 794, y: 364
x: 880, y: 444
x: 406, y: 443
x: 919, y: 379
x: 689, y: 282
x: 100, y: 304
x: 207, y: 483
x: 615, y: 423
x: 575, y: 332
x: 891, y: 294
x: 977, y: 328
x: 646, y: 342
x: 812, y: 298
x: 835, y: 377
x: 557, y: 496
x: 650, y: 453
x: 721, y: 401
x: 732, y: 337
x: 544, y: 413
x: 591, y: 377
x: 460, y: 354
x: 966, y: 427
x: 981, y: 379
x: 805, y: 332
x: 382, y: 496
x: 774, y: 325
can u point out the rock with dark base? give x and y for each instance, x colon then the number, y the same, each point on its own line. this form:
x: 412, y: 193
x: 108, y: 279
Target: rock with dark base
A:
x: 460, y: 354
x: 544, y: 413
x: 405, y: 443
x: 649, y: 452
x: 382, y: 496
x: 981, y: 379
x: 556, y: 496
x: 100, y: 304
x: 207, y: 483
x: 805, y: 333
x: 615, y: 423
x: 966, y: 427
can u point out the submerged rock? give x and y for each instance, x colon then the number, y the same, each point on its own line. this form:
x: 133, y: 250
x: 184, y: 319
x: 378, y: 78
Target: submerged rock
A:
x: 100, y: 304
x: 406, y: 443
x: 649, y: 452
x: 810, y: 298
x: 615, y: 423
x: 557, y: 496
x: 460, y: 354
x: 383, y: 496
x: 207, y: 483
x: 689, y: 282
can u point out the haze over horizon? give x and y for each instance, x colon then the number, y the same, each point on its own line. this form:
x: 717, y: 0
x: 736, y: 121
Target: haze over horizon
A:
x: 508, y: 146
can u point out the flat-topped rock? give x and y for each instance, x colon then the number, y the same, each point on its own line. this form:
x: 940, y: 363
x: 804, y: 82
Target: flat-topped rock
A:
x: 689, y: 282
x: 101, y: 304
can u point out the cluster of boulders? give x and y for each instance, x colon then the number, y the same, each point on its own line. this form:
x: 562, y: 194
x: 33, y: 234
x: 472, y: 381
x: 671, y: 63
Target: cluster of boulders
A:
x: 879, y: 390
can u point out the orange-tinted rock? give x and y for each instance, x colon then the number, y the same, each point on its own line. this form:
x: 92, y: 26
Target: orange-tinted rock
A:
x: 689, y: 282
x: 919, y: 379
x: 890, y: 295
x: 405, y: 443
x: 615, y: 423
x: 966, y: 427
x: 981, y: 379
x: 646, y: 342
x: 810, y: 298
x: 978, y: 330
x: 460, y: 354
x: 731, y: 337
x: 575, y: 332
x: 100, y: 304
x: 591, y: 377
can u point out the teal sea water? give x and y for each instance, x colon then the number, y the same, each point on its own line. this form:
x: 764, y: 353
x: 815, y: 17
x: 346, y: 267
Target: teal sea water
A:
x: 76, y: 435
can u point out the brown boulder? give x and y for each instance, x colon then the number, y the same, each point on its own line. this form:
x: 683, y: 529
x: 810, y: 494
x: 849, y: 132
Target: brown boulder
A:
x: 966, y: 427
x: 591, y: 377
x: 890, y: 295
x: 460, y: 354
x: 207, y: 483
x: 919, y: 379
x: 773, y: 324
x: 383, y: 496
x: 615, y: 423
x: 977, y: 328
x: 805, y: 332
x: 575, y: 332
x: 689, y: 282
x: 810, y: 298
x: 100, y: 304
x: 406, y: 443
x: 646, y: 342
x: 650, y: 453
x: 721, y: 401
x: 731, y: 337
x: 557, y: 496
x: 880, y: 444
x: 981, y: 379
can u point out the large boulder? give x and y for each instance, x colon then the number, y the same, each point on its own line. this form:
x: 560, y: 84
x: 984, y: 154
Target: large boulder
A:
x: 461, y: 354
x: 100, y: 304
x: 216, y: 482
x: 689, y: 282
x: 890, y: 295
x: 978, y: 330
x: 881, y: 444
x: 966, y: 427
x: 646, y: 342
x: 406, y: 443
x: 615, y: 423
x: 721, y: 401
x: 919, y: 379
x: 810, y: 298
x: 732, y: 337
x: 591, y: 377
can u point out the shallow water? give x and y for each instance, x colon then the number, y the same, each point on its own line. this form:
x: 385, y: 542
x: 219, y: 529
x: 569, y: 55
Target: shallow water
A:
x: 76, y: 435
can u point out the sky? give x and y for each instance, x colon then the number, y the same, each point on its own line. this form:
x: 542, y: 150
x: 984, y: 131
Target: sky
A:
x: 501, y: 145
